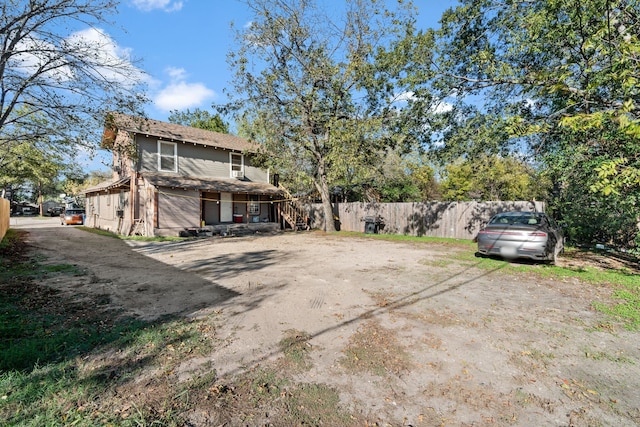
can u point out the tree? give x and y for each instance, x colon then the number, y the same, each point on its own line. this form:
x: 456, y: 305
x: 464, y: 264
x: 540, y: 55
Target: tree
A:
x: 544, y: 78
x: 75, y: 183
x: 305, y: 83
x: 199, y: 119
x: 404, y: 178
x: 58, y: 84
x: 491, y: 178
x: 31, y: 169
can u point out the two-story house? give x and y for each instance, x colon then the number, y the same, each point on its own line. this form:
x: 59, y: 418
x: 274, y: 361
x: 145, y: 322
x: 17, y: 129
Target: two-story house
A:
x: 169, y: 178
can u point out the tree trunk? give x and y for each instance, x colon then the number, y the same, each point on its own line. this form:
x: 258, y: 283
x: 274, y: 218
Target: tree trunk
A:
x: 323, y: 189
x: 40, y: 198
x: 329, y: 223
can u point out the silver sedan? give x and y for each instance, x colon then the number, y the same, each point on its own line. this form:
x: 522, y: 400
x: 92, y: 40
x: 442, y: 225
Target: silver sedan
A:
x: 531, y: 235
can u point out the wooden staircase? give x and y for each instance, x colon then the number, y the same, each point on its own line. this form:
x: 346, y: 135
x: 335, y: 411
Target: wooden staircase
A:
x: 294, y: 214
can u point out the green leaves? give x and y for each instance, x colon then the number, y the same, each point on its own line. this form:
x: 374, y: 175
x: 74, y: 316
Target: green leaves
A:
x: 199, y: 119
x: 615, y: 176
x: 493, y: 178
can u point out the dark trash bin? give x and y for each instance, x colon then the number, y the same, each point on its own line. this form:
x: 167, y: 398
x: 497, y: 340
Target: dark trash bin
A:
x: 372, y: 224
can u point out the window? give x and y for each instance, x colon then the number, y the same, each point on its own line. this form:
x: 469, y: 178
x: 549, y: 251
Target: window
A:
x: 167, y: 156
x: 254, y: 205
x: 237, y: 165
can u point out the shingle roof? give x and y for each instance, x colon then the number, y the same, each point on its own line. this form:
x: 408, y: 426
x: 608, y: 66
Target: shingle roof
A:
x: 174, y: 132
x: 212, y: 184
x: 108, y: 185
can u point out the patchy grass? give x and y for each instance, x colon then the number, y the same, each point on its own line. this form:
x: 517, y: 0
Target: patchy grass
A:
x: 375, y: 350
x: 295, y: 348
x: 266, y: 396
x: 623, y: 280
x: 69, y: 361
x: 618, y: 357
x: 62, y: 356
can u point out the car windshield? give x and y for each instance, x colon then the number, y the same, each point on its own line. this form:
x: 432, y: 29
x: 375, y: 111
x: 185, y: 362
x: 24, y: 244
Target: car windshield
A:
x: 74, y: 212
x: 524, y: 219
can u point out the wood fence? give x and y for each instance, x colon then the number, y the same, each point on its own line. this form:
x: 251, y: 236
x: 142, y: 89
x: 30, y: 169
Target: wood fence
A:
x: 5, y: 214
x: 459, y: 220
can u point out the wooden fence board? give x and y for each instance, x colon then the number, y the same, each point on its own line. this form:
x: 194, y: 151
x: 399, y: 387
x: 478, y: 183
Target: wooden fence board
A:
x: 5, y: 213
x: 460, y: 220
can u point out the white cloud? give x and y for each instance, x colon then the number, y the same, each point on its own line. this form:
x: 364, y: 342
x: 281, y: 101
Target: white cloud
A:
x: 176, y: 73
x: 35, y: 55
x: 404, y: 97
x: 165, y: 5
x: 179, y: 94
x: 93, y: 49
x: 116, y: 60
x: 441, y: 107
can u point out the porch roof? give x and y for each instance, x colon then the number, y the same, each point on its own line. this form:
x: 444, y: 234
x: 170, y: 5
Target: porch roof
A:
x: 108, y: 185
x: 213, y: 184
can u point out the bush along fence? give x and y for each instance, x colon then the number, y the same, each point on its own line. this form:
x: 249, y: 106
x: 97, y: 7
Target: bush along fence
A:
x: 458, y: 220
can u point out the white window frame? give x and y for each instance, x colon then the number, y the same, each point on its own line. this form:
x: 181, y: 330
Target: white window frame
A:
x: 254, y: 204
x: 231, y: 165
x: 174, y: 156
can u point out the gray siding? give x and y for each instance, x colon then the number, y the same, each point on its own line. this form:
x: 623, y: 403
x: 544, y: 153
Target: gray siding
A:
x: 255, y: 174
x: 195, y: 160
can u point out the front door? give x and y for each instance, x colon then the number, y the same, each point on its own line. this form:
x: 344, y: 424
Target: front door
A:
x: 226, y: 207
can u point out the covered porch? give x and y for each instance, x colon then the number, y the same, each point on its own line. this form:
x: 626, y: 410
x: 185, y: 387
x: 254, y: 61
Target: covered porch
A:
x: 195, y: 206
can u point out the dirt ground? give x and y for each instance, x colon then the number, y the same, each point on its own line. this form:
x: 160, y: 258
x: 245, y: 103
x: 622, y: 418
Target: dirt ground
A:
x: 470, y: 346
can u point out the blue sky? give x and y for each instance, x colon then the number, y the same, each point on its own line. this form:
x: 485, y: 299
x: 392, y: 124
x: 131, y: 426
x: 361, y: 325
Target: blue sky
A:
x: 182, y: 47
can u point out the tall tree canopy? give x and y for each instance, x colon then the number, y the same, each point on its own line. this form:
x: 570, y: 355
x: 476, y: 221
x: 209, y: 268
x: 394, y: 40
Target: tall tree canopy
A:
x: 556, y: 80
x: 199, y: 119
x: 304, y: 81
x: 60, y: 73
x: 493, y: 178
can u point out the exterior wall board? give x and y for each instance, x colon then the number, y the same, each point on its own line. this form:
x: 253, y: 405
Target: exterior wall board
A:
x: 148, y: 154
x: 178, y: 208
x: 202, y: 161
x: 102, y: 211
x: 196, y: 160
